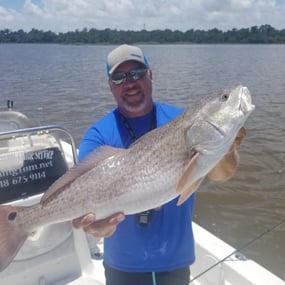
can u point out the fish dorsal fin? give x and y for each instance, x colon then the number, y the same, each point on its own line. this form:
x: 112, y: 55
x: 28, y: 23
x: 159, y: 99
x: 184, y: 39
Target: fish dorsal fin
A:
x: 89, y: 162
x: 187, y: 192
x: 188, y: 173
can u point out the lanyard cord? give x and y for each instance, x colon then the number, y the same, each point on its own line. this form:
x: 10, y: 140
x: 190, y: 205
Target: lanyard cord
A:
x: 143, y: 218
x: 153, y: 278
x: 131, y: 131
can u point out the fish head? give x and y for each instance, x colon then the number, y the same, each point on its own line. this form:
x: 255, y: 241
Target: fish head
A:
x: 219, y: 118
x: 229, y: 110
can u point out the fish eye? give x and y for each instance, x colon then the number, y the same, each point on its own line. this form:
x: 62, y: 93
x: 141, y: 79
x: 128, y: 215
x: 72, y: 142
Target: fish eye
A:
x: 225, y: 97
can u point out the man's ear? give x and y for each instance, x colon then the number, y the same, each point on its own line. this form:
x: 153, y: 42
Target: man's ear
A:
x: 149, y: 72
x: 110, y: 84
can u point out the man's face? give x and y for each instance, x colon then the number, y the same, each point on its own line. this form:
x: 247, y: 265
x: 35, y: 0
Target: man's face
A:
x: 134, y: 95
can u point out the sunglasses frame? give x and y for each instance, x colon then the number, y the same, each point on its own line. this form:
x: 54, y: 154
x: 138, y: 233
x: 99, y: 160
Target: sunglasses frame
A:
x: 133, y: 74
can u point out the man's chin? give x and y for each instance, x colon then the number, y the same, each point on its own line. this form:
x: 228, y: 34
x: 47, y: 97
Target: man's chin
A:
x: 140, y: 108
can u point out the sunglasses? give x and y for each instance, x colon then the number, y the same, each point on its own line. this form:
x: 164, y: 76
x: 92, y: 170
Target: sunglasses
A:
x: 135, y: 74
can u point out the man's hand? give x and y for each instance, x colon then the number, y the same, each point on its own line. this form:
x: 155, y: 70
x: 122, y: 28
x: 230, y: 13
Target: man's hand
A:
x: 98, y: 228
x: 239, y: 138
x: 226, y: 168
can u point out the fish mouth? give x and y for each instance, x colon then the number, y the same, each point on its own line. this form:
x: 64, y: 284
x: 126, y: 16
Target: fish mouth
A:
x: 246, y: 101
x: 215, y: 127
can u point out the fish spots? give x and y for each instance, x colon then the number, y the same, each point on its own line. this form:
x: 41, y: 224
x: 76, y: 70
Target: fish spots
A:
x: 12, y: 216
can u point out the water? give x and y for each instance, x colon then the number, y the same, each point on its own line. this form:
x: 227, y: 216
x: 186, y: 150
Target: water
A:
x: 67, y: 85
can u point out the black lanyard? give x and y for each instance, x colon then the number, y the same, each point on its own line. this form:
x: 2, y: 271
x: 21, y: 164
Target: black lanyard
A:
x: 143, y: 218
x: 131, y: 131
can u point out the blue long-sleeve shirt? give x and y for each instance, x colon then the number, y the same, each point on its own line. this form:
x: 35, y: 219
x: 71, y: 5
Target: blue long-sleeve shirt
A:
x: 167, y: 242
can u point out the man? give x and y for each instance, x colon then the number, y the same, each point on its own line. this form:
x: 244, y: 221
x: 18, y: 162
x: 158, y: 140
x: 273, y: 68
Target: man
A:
x: 157, y: 246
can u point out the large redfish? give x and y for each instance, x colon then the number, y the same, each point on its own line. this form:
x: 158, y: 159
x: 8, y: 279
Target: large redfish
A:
x: 165, y: 163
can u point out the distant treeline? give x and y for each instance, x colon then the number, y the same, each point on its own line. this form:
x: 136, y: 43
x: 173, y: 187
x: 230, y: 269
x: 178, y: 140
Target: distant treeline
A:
x: 263, y: 34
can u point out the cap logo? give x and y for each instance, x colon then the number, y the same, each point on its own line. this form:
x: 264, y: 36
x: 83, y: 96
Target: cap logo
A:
x: 135, y: 55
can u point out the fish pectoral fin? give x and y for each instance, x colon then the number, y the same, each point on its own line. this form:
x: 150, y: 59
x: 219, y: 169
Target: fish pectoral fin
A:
x: 189, y: 172
x: 83, y: 166
x: 187, y: 192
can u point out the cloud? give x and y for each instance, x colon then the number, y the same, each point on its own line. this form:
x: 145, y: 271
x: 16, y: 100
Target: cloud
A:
x: 7, y: 15
x: 66, y: 15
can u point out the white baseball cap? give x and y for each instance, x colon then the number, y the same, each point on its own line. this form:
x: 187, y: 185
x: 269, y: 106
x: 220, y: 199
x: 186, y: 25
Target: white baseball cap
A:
x: 124, y: 53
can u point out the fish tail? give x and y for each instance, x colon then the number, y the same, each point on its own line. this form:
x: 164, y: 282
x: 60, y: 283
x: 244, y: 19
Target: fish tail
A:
x: 12, y: 236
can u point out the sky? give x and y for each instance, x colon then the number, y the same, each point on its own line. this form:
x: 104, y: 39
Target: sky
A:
x: 69, y: 15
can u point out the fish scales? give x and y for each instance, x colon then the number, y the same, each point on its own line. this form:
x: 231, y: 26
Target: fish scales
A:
x: 166, y: 165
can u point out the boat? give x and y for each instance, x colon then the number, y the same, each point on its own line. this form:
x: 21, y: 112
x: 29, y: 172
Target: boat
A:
x: 31, y: 158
